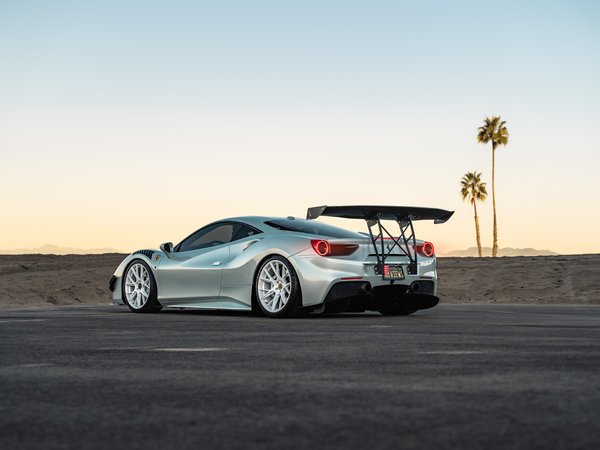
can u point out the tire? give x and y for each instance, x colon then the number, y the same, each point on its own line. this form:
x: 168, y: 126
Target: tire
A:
x: 395, y: 311
x: 138, y: 288
x: 277, y: 289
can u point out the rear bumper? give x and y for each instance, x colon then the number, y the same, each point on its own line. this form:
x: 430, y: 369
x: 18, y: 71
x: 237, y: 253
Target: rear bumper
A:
x: 319, y: 275
x: 359, y: 296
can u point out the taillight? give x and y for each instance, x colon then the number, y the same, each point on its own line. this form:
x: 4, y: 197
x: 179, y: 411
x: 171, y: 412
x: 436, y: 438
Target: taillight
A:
x: 321, y: 247
x: 426, y: 249
x: 324, y: 248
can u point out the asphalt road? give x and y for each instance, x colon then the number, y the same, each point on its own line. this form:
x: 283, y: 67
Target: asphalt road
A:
x: 456, y: 376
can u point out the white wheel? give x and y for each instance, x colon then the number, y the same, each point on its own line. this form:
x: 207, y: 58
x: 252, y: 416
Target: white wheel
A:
x: 139, y: 288
x: 277, y: 288
x: 274, y: 286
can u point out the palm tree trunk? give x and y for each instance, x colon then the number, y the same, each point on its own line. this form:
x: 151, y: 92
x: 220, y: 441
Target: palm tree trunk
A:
x: 495, y: 246
x: 477, y: 229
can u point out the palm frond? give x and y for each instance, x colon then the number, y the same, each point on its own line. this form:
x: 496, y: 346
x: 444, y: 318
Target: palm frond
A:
x: 493, y: 130
x: 472, y: 188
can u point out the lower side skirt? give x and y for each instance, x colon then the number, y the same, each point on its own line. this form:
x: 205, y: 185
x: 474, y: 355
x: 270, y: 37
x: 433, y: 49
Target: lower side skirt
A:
x: 356, y: 297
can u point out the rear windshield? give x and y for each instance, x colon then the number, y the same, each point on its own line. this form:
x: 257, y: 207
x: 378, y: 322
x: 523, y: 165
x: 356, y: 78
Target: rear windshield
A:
x: 312, y: 227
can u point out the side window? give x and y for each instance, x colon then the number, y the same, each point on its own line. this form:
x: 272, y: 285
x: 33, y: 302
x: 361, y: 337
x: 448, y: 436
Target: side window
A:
x: 244, y: 231
x: 217, y: 234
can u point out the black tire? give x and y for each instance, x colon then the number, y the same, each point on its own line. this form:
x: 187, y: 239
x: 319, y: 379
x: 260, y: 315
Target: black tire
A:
x: 294, y: 302
x: 395, y: 311
x: 151, y: 305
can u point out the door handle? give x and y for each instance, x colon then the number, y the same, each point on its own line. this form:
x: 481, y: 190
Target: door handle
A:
x: 216, y: 263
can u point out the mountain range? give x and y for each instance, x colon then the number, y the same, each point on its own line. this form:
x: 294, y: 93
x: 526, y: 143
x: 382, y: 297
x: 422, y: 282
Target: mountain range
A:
x: 505, y: 251
x: 58, y: 250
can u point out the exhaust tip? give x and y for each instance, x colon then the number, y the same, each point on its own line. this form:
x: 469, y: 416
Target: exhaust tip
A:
x: 366, y: 288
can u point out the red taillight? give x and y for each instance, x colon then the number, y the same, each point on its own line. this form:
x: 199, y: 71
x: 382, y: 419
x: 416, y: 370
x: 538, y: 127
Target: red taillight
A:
x: 321, y: 247
x: 426, y: 249
x: 324, y: 248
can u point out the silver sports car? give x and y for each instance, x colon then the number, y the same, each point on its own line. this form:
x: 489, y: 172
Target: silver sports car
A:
x: 286, y: 266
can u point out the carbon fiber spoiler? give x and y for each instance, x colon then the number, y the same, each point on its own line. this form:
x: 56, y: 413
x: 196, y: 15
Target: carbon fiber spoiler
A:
x: 373, y: 212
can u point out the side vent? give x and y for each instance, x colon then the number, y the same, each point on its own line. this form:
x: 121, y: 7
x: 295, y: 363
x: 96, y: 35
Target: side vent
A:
x: 147, y: 253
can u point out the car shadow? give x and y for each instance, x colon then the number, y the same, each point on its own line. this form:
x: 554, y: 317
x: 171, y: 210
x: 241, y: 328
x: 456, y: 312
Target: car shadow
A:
x: 248, y: 314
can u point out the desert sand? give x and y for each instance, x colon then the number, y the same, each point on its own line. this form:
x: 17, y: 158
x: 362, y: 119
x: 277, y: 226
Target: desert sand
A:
x: 45, y: 280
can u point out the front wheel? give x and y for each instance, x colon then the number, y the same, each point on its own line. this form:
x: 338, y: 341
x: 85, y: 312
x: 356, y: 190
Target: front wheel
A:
x: 139, y: 288
x: 277, y: 288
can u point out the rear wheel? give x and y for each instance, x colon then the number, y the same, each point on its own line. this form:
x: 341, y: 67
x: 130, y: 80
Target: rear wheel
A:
x: 277, y: 288
x: 139, y: 288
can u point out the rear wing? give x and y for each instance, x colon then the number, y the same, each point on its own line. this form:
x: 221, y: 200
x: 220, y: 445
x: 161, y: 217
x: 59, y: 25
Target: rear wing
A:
x: 371, y: 212
x: 373, y: 215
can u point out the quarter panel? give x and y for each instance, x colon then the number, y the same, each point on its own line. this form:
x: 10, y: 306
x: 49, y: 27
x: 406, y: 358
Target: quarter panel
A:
x: 239, y: 271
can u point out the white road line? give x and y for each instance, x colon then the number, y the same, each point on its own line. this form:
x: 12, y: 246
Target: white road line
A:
x: 26, y: 366
x: 35, y: 365
x: 454, y: 352
x: 21, y: 320
x: 196, y: 349
x: 123, y: 348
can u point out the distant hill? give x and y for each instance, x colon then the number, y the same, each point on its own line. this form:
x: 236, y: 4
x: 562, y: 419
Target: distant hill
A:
x: 57, y: 250
x: 506, y: 251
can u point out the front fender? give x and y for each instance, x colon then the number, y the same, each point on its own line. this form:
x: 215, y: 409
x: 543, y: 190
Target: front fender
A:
x: 151, y: 257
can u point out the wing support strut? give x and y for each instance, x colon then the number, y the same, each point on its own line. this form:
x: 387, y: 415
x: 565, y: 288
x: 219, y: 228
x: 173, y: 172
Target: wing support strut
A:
x: 405, y: 242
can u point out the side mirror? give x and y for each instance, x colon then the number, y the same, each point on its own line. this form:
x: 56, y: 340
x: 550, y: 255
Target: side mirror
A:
x: 167, y: 247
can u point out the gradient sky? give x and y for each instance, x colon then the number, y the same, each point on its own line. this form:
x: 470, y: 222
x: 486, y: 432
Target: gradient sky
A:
x: 125, y: 124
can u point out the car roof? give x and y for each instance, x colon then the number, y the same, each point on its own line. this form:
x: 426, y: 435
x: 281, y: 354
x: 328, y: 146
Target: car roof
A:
x: 259, y: 221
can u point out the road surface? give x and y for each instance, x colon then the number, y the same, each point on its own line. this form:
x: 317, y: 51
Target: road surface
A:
x: 456, y: 376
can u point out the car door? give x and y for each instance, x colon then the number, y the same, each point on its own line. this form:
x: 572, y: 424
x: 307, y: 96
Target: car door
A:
x: 234, y: 272
x: 193, y: 272
x: 238, y: 270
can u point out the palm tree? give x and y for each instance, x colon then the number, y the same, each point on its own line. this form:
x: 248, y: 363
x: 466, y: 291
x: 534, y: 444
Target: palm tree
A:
x: 493, y: 130
x: 473, y: 190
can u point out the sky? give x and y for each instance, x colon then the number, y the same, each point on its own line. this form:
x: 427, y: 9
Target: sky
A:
x: 126, y: 124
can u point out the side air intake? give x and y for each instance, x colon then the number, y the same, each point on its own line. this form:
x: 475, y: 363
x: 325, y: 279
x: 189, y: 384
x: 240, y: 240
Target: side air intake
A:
x: 147, y: 253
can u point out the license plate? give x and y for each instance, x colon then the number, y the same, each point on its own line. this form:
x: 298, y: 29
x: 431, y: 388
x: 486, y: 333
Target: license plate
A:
x: 393, y: 272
